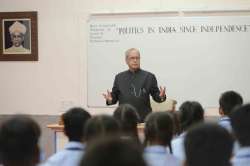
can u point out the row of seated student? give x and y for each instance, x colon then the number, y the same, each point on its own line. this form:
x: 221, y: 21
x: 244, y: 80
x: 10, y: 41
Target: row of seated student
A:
x: 171, y: 139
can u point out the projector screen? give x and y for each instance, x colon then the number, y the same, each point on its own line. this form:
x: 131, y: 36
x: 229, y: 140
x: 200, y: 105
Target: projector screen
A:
x: 195, y: 57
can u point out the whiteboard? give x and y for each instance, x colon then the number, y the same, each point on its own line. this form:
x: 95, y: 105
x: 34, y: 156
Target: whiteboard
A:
x: 195, y: 57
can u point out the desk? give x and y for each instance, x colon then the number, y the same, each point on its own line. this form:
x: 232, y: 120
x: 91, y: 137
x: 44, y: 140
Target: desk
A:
x: 60, y: 139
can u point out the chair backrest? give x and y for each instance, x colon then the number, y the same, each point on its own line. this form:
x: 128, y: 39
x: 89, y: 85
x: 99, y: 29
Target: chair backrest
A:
x: 168, y: 105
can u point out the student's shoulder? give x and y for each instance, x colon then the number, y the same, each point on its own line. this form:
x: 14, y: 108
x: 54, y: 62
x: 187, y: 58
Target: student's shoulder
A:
x: 56, y: 158
x: 172, y: 160
x: 177, y: 141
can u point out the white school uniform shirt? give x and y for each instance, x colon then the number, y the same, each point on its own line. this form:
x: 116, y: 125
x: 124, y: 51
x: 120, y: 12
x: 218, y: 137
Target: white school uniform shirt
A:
x: 178, y: 147
x: 225, y: 122
x: 71, y: 155
x: 158, y: 155
x: 242, y: 157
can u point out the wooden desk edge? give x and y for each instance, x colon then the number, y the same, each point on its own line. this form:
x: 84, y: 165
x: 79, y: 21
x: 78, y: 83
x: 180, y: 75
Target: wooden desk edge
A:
x: 58, y: 127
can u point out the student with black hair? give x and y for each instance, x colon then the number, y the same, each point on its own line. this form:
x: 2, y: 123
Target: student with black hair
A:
x: 208, y: 145
x: 158, y: 131
x: 176, y: 119
x: 240, y: 120
x: 228, y: 101
x: 74, y: 121
x: 19, y: 138
x: 113, y: 151
x: 101, y: 126
x: 128, y: 118
x: 191, y: 113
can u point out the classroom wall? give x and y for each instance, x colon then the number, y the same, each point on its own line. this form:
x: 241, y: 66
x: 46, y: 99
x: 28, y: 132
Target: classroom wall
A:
x: 58, y: 80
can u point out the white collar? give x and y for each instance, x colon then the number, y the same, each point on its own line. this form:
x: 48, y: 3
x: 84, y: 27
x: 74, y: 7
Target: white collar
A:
x: 243, y: 152
x: 156, y: 149
x: 75, y: 144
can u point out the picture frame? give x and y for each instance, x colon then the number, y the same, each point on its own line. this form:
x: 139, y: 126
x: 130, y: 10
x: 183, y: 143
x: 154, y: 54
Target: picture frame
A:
x: 18, y: 36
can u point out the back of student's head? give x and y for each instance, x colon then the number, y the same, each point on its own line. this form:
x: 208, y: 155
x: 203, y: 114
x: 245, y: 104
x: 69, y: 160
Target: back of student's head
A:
x: 159, y: 128
x: 191, y: 112
x: 113, y: 152
x: 19, y: 137
x: 208, y: 145
x: 127, y: 118
x: 240, y: 120
x: 176, y: 120
x: 101, y: 126
x: 74, y: 121
x: 228, y: 100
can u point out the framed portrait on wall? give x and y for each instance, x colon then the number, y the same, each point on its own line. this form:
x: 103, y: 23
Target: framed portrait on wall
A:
x: 18, y: 36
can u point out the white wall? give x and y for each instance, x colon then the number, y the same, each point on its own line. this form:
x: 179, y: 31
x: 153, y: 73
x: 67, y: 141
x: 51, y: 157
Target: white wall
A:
x: 58, y: 80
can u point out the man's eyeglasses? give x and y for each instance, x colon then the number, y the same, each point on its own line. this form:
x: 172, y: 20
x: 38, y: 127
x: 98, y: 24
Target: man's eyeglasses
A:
x: 134, y: 58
